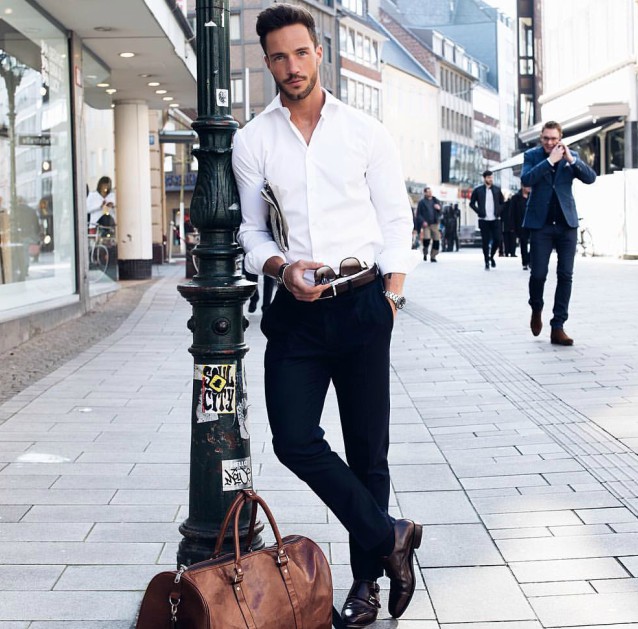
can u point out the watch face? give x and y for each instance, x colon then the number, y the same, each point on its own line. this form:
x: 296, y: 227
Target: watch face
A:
x: 400, y: 302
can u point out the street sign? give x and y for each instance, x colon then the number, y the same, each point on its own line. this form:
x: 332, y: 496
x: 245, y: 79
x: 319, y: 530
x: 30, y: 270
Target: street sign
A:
x: 34, y: 140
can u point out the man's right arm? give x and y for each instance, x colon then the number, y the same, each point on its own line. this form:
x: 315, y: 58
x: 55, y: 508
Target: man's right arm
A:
x: 474, y: 199
x: 254, y: 235
x: 532, y: 171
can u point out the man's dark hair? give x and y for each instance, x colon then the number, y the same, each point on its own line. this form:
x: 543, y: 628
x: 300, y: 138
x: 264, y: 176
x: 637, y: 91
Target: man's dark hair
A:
x: 552, y: 124
x: 487, y: 173
x: 279, y: 15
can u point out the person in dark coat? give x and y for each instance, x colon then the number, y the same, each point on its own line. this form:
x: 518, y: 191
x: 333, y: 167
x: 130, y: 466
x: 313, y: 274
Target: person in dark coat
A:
x: 428, y: 215
x: 516, y: 210
x: 451, y: 216
x: 550, y: 170
x: 509, y: 229
x: 487, y: 201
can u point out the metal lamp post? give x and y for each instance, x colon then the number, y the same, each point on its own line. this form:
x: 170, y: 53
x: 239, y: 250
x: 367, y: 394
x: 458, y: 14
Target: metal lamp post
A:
x: 220, y: 445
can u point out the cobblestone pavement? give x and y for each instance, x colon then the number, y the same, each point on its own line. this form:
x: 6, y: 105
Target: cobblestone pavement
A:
x: 518, y: 456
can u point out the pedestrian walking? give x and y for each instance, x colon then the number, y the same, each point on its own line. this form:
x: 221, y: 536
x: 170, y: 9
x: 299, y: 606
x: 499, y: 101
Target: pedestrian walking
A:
x: 487, y: 201
x: 428, y: 213
x: 517, y: 203
x: 340, y: 279
x: 451, y: 216
x: 551, y: 218
x: 509, y: 229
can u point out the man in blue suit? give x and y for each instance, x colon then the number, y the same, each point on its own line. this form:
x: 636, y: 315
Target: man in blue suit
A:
x: 552, y: 222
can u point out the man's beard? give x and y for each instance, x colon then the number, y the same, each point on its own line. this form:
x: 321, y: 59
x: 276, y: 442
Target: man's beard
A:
x: 299, y: 95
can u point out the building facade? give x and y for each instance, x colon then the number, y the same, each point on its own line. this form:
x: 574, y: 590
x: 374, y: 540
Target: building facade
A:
x: 592, y: 91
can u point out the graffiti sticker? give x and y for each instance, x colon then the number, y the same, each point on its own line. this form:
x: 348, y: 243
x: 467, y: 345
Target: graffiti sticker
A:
x: 237, y: 474
x: 218, y: 389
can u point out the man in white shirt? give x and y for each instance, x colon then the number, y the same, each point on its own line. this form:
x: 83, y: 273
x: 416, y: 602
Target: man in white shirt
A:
x: 337, y: 178
x: 487, y: 201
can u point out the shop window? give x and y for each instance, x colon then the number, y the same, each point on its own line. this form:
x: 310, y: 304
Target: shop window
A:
x: 36, y: 180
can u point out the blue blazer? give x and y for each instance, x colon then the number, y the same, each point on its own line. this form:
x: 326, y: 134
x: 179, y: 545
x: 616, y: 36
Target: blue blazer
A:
x: 537, y: 174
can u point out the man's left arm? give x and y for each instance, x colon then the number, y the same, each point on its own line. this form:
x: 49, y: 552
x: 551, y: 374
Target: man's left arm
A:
x: 581, y: 170
x: 389, y: 197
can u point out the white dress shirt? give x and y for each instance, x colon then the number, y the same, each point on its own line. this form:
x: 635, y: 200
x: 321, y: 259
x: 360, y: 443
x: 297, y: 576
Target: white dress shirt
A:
x: 343, y: 194
x: 490, y: 215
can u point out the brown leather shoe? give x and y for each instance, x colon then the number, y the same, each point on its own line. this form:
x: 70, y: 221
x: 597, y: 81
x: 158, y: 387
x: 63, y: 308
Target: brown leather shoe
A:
x: 362, y: 604
x: 536, y: 323
x: 399, y: 565
x: 558, y: 337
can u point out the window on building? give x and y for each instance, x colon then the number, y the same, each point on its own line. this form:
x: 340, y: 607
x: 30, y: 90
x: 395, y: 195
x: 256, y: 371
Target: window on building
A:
x: 343, y: 87
x: 237, y: 91
x: 343, y: 40
x: 350, y: 43
x: 359, y: 50
x: 374, y: 54
x: 376, y: 99
x: 366, y: 49
x: 327, y: 48
x: 234, y: 28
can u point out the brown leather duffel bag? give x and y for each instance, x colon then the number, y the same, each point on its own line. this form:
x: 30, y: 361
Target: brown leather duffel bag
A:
x: 284, y: 586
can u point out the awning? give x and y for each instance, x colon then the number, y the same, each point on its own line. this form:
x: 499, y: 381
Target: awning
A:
x: 517, y: 160
x: 590, y: 116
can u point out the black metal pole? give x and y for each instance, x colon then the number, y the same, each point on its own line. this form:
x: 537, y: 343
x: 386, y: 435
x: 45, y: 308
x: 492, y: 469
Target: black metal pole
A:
x: 220, y: 445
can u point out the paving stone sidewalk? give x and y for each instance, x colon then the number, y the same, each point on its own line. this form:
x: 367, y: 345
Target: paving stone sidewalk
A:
x: 518, y: 456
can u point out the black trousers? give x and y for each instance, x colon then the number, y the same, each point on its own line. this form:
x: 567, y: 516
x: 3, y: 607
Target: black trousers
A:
x: 490, y: 237
x: 344, y: 340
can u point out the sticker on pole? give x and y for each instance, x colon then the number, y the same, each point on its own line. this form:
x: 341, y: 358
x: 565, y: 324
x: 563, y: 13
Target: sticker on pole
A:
x: 222, y: 98
x: 237, y: 474
x: 218, y: 391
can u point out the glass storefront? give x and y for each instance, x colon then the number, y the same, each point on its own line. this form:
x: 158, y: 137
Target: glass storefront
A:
x: 37, y: 239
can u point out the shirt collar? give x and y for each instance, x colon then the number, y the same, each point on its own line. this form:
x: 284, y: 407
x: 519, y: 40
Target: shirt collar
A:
x: 329, y: 105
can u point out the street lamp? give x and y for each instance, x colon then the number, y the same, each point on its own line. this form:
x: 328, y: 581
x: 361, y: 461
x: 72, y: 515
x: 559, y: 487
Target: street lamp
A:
x: 220, y: 462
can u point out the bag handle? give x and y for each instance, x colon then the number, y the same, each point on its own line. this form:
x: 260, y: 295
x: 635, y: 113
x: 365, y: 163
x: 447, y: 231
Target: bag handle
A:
x: 244, y: 497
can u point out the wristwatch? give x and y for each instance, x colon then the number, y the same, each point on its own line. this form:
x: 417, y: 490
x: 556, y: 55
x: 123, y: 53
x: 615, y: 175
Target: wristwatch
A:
x: 280, y: 274
x: 399, y: 300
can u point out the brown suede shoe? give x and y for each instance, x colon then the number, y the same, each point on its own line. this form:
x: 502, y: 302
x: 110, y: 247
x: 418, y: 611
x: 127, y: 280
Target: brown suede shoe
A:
x: 399, y: 565
x: 362, y: 604
x: 536, y: 323
x: 558, y: 337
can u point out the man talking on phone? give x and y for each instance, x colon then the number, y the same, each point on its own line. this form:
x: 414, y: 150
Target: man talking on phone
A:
x: 339, y: 247
x: 552, y: 221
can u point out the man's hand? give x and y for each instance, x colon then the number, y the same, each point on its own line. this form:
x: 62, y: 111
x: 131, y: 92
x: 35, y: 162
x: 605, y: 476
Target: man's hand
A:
x: 568, y: 156
x: 557, y: 153
x: 294, y: 280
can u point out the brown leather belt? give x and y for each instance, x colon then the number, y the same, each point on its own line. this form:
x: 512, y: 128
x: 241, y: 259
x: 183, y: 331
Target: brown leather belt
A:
x: 334, y: 290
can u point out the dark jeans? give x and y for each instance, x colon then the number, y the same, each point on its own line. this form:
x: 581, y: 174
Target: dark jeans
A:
x: 542, y: 242
x: 344, y: 340
x: 490, y: 235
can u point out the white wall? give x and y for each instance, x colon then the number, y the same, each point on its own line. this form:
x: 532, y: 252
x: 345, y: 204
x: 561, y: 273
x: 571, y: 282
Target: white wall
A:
x: 609, y: 209
x: 411, y: 114
x: 583, y: 37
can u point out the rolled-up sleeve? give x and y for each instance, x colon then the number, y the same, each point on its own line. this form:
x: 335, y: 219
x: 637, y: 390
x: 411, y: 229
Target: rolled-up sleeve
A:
x: 254, y: 235
x: 392, y: 204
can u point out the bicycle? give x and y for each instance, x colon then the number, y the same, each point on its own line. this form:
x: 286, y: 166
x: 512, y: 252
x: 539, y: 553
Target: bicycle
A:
x: 98, y: 251
x: 585, y: 243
